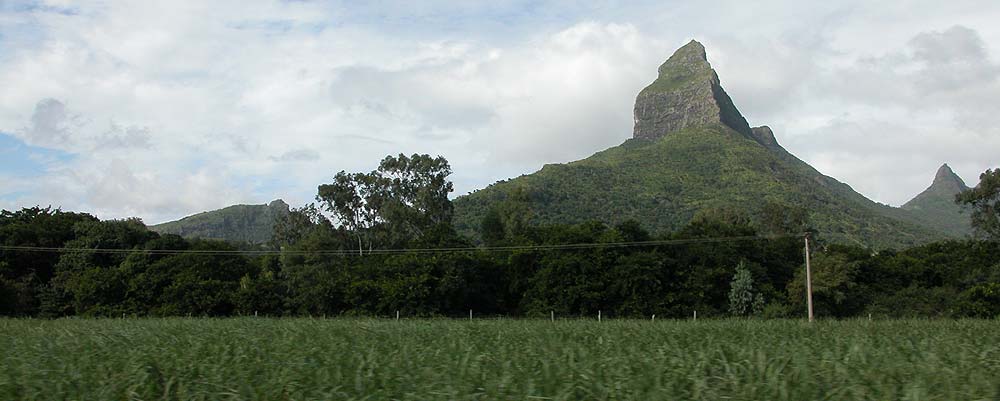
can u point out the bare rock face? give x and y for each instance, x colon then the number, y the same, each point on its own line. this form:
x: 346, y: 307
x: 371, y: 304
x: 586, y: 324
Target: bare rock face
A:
x: 685, y: 94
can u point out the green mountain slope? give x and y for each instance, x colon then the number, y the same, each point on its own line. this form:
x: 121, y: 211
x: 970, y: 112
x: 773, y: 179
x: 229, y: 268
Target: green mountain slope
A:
x: 663, y: 183
x: 936, y: 205
x: 692, y: 150
x: 238, y: 223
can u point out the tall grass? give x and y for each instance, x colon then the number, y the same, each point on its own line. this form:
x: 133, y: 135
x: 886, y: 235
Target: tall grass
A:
x: 361, y: 359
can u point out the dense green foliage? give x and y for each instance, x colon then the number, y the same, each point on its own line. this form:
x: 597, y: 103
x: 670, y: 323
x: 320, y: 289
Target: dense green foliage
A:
x: 346, y: 359
x: 253, y: 224
x: 24, y: 276
x: 984, y: 200
x: 944, y: 279
x: 84, y: 282
x: 664, y: 183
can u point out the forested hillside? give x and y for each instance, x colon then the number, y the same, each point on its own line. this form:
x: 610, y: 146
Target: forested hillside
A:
x: 663, y: 183
x: 239, y: 223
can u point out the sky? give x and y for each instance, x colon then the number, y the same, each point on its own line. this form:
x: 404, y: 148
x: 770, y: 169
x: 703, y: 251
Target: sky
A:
x: 162, y: 109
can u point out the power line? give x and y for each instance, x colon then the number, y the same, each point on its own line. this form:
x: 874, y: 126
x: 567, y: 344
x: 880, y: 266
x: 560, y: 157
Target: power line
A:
x: 349, y: 252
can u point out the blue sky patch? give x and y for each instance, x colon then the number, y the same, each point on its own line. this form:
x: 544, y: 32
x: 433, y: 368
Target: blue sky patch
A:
x: 37, y: 6
x: 19, y: 159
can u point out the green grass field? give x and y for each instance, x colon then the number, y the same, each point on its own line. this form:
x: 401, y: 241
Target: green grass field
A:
x: 304, y: 359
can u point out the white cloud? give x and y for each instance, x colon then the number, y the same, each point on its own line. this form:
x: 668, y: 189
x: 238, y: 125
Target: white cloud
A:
x: 884, y: 122
x: 50, y: 123
x: 299, y: 155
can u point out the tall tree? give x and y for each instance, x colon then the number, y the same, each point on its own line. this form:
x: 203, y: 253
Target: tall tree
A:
x: 835, y: 273
x: 401, y: 200
x: 744, y: 299
x: 985, y: 202
x: 414, y: 193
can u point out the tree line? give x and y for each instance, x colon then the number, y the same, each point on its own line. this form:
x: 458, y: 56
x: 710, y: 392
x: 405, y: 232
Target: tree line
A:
x: 328, y: 259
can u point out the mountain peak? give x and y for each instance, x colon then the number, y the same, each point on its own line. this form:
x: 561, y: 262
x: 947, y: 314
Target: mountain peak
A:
x: 686, y: 93
x: 937, y: 203
x: 690, y: 55
x: 948, y: 179
x: 946, y: 184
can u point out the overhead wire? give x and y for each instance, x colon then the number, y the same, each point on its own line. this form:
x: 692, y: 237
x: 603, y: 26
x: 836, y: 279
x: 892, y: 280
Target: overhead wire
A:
x: 355, y: 252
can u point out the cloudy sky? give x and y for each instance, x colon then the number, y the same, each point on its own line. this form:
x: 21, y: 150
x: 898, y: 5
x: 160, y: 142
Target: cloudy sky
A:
x: 163, y: 109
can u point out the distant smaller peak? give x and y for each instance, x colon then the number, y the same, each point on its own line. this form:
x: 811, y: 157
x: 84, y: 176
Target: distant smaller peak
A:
x: 945, y: 177
x: 278, y: 203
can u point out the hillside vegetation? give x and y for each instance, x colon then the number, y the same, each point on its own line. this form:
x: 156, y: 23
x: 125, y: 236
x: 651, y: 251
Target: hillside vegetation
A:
x: 252, y: 224
x: 663, y: 183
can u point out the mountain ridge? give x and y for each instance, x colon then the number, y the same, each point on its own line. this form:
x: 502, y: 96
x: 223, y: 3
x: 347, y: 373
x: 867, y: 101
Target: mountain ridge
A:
x: 693, y: 150
x: 252, y: 224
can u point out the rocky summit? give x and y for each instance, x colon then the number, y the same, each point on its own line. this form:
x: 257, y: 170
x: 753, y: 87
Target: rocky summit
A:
x: 686, y: 93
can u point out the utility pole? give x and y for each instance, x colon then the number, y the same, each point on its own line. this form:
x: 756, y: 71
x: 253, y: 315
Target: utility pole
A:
x: 809, y: 285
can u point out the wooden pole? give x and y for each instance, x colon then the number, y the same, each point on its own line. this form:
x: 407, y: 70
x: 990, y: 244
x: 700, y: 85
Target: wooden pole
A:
x: 809, y: 286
